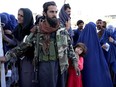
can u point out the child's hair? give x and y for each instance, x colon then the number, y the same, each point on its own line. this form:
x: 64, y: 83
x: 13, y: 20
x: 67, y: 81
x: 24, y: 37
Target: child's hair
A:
x: 83, y: 46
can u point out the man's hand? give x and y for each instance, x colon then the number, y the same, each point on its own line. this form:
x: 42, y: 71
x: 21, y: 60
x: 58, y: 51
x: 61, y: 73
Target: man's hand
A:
x: 8, y: 32
x: 2, y: 59
x: 76, y: 68
x: 111, y: 39
x: 68, y: 24
x: 104, y: 46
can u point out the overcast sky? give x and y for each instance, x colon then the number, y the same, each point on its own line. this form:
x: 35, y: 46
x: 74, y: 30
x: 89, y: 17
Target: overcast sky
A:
x: 81, y: 9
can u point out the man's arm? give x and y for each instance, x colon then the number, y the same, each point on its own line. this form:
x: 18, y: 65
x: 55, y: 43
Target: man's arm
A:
x: 73, y: 57
x: 19, y: 50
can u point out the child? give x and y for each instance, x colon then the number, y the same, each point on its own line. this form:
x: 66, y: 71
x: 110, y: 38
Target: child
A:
x: 73, y: 79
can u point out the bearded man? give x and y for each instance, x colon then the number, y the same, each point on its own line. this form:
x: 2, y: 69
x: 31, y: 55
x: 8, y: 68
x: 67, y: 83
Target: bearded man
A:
x: 52, y: 45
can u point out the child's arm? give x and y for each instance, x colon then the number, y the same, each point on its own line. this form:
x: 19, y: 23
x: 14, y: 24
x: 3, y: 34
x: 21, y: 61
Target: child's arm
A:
x: 80, y: 63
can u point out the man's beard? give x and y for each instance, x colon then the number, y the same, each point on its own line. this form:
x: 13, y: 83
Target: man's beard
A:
x: 52, y: 21
x: 99, y: 27
x: 80, y: 28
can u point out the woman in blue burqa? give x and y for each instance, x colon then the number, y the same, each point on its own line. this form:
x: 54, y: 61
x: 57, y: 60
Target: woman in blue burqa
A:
x: 8, y: 43
x: 110, y: 55
x: 95, y: 72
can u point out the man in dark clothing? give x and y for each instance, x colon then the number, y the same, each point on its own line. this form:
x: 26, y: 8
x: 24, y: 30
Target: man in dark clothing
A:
x: 64, y: 16
x: 100, y: 28
x: 78, y: 31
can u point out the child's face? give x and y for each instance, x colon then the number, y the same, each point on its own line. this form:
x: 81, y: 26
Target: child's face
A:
x: 78, y: 50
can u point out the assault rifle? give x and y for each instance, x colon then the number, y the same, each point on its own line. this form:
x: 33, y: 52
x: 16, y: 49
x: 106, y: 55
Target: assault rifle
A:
x: 36, y: 54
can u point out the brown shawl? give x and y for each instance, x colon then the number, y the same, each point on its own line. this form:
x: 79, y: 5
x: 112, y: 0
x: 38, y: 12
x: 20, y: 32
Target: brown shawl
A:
x: 46, y: 30
x: 45, y: 27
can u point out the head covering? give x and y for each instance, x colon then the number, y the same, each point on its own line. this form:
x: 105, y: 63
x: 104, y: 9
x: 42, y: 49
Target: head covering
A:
x: 13, y: 21
x: 8, y: 25
x: 4, y: 19
x: 28, y: 17
x: 110, y: 55
x: 28, y: 22
x: 63, y: 17
x: 95, y: 72
x: 110, y: 29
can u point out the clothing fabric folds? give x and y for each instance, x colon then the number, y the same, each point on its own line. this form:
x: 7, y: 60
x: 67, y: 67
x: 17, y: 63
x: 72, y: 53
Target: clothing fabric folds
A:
x: 110, y: 55
x: 21, y: 31
x: 95, y: 72
x: 73, y: 79
x: 25, y: 66
x: 77, y: 32
x: 63, y: 17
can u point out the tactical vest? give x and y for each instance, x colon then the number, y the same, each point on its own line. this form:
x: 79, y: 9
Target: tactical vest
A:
x: 51, y: 52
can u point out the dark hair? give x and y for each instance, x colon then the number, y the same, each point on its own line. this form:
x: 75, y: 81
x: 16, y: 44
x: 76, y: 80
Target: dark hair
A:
x: 105, y: 22
x: 79, y: 22
x: 39, y: 19
x: 47, y: 4
x: 83, y: 46
x: 37, y: 16
x: 99, y: 20
x: 104, y: 26
x: 66, y: 6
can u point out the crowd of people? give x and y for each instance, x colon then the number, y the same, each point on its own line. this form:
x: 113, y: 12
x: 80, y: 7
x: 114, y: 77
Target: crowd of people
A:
x: 49, y: 53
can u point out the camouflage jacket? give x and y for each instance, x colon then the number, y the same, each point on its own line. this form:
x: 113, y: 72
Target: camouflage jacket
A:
x: 63, y: 43
x: 65, y: 49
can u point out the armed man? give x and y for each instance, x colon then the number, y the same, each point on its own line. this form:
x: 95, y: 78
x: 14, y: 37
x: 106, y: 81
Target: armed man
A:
x: 52, y: 45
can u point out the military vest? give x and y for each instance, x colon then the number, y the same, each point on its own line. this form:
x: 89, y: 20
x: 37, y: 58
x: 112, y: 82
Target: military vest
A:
x: 51, y: 52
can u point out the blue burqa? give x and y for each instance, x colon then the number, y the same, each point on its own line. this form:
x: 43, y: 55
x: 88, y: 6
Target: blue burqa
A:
x: 8, y: 25
x: 4, y: 18
x: 95, y: 72
x: 111, y: 54
x: 14, y: 22
x: 6, y: 46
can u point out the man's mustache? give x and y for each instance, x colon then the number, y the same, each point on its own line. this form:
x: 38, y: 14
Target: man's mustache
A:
x: 54, y: 17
